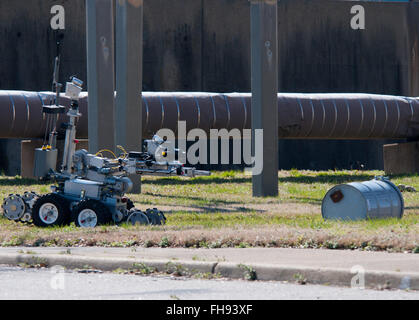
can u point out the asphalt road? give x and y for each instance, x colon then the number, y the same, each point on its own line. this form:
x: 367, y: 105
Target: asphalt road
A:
x: 46, y: 284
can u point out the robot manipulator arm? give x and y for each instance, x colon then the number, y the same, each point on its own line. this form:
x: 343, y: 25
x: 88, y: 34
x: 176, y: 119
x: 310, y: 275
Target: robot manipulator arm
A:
x: 160, y: 168
x: 155, y: 161
x: 169, y: 169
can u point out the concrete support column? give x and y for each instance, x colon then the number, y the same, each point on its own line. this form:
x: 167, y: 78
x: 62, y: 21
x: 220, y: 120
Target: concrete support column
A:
x: 264, y: 43
x: 129, y: 77
x: 401, y: 158
x: 100, y: 74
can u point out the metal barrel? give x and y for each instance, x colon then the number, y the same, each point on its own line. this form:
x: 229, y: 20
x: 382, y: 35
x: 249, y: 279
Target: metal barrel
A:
x: 375, y: 199
x: 301, y: 116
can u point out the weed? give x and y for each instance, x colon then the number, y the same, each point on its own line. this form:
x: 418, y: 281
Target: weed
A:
x: 86, y: 267
x: 164, y: 243
x: 141, y: 268
x: 148, y: 243
x: 215, y: 245
x: 243, y: 245
x: 120, y: 271
x: 35, y: 262
x: 300, y: 279
x: 203, y: 244
x: 248, y: 272
x: 27, y: 252
x: 14, y: 242
x: 176, y: 269
x: 331, y: 245
x: 206, y: 275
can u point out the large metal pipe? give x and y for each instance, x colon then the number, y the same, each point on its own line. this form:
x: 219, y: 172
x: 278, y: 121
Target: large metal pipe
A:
x: 301, y: 116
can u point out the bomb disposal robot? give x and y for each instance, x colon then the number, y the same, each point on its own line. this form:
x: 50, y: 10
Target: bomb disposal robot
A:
x: 89, y: 188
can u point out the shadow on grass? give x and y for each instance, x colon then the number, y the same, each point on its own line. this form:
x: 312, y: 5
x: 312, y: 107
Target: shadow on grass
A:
x: 328, y: 178
x: 307, y: 200
x: 320, y: 178
x: 184, y: 181
x: 211, y: 210
x: 190, y: 198
x: 401, y: 176
x: 17, y: 181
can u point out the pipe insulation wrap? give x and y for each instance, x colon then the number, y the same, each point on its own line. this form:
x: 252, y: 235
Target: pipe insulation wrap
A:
x: 301, y: 116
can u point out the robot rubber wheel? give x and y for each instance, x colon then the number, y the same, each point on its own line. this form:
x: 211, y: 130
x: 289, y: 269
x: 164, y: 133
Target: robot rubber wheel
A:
x: 130, y: 204
x: 51, y: 210
x: 137, y: 217
x: 91, y: 213
x: 155, y: 216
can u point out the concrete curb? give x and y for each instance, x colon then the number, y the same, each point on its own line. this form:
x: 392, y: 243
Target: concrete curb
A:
x: 264, y: 272
x: 105, y: 264
x: 323, y: 276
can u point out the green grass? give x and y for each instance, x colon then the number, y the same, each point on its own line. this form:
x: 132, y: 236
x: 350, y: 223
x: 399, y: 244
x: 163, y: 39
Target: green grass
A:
x: 220, y: 220
x: 220, y: 209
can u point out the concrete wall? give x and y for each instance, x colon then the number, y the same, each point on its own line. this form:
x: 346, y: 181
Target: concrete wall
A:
x: 203, y: 45
x: 319, y: 51
x: 27, y: 46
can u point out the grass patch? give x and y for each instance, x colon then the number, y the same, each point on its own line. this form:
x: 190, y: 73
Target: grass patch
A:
x: 219, y: 211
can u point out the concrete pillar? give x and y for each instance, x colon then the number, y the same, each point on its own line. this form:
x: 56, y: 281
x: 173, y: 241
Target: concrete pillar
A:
x: 129, y: 77
x: 100, y: 74
x: 27, y: 157
x: 401, y: 158
x: 264, y: 43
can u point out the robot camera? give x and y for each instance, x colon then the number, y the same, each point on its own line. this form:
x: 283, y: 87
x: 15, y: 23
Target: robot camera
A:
x: 73, y: 88
x: 76, y: 82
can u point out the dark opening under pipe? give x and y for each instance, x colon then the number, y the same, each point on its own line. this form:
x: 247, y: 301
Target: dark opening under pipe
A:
x: 301, y: 116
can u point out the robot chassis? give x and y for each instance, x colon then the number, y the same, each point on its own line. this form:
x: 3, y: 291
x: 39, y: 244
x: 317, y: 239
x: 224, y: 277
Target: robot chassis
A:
x: 89, y: 188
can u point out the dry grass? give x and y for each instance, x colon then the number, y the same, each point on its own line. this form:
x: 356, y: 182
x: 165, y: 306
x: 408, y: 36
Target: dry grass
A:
x: 219, y: 211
